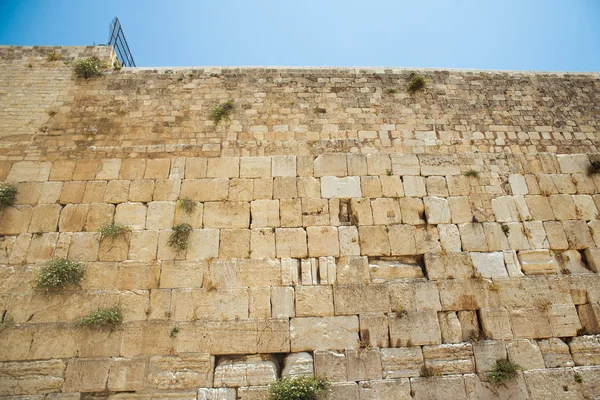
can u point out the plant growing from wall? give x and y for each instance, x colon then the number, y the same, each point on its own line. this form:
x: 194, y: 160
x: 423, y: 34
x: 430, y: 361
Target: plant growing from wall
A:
x: 416, y: 82
x: 391, y: 91
x: 113, y: 231
x: 594, y: 168
x: 5, y: 321
x: 187, y: 205
x: 8, y: 194
x: 88, y: 67
x: 221, y: 111
x: 174, y: 331
x: 111, y: 317
x: 502, y: 371
x: 297, y: 388
x: 179, y: 237
x: 53, y: 56
x: 471, y: 174
x: 59, y: 274
x: 505, y: 229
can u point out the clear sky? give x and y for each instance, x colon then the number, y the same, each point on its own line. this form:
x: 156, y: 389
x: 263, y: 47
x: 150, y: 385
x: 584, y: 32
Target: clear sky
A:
x: 548, y: 35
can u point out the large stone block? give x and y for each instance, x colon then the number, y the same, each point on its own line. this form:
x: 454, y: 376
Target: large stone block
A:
x: 537, y: 262
x: 555, y: 353
x: 437, y: 210
x: 397, y: 389
x: 496, y: 323
x: 323, y: 241
x: 33, y: 377
x: 585, y: 350
x: 530, y: 322
x: 185, y: 371
x: 374, y: 240
x: 132, y: 215
x: 489, y: 265
x: 388, y: 270
x: 312, y: 301
x: 363, y: 364
x: 415, y: 328
x: 386, y: 211
x: 223, y: 167
x: 141, y: 190
x: 404, y: 362
x: 449, y: 265
x: 437, y: 387
x: 291, y: 242
x: 346, y: 187
x: 331, y: 365
x: 358, y: 299
x: 330, y: 165
x: 352, y: 269
x: 525, y: 353
x: 320, y: 333
x: 226, y: 215
x: 487, y: 352
x: 245, y: 371
x: 86, y: 375
x: 255, y: 167
x: 298, y: 364
x: 473, y: 237
x: 449, y: 359
x: 414, y: 186
x: 205, y: 189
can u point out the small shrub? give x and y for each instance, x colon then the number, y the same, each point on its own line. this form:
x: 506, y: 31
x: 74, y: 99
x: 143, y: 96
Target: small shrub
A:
x: 471, y: 174
x: 505, y: 229
x: 502, y: 371
x: 53, y: 56
x: 103, y: 318
x: 179, y: 237
x: 117, y: 65
x: 221, y: 111
x: 113, y: 231
x: 30, y: 65
x: 417, y: 82
x: 187, y: 205
x: 8, y: 194
x: 389, y: 172
x: 296, y: 388
x: 578, y: 378
x: 364, y: 344
x: 391, y: 91
x: 174, y: 331
x: 430, y: 371
x: 88, y: 67
x: 594, y: 168
x: 59, y: 274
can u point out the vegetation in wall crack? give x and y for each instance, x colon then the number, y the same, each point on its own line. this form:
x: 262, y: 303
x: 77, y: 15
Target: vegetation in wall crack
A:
x: 8, y: 194
x: 53, y: 56
x: 578, y: 378
x: 471, y: 174
x: 5, y: 320
x: 103, y: 318
x: 113, y: 231
x: 427, y: 371
x: 297, y: 388
x: 174, y: 331
x: 389, y: 172
x: 221, y: 111
x: 594, y: 168
x: 117, y: 65
x: 187, y: 205
x: 179, y: 237
x: 417, y: 82
x: 88, y: 67
x: 391, y: 91
x: 502, y: 371
x: 505, y: 229
x: 58, y: 274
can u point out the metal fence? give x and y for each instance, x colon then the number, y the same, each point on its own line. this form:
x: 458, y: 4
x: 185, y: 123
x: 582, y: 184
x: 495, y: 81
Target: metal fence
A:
x: 117, y: 40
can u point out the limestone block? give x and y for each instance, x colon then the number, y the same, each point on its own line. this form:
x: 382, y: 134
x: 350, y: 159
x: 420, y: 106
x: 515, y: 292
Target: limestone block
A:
x: 374, y: 240
x: 555, y: 353
x: 571, y: 261
x: 298, y: 364
x: 540, y: 208
x: 578, y: 234
x: 450, y: 327
x: 85, y: 170
x: 391, y: 186
x: 19, y: 249
x: 537, y: 262
x: 563, y: 207
x: 330, y: 165
x: 127, y: 374
x: 62, y: 170
x: 595, y: 230
x: 352, y: 269
x: 28, y: 193
x: 181, y: 274
x: 525, y: 353
x: 314, y: 301
x: 360, y: 210
x: 450, y: 359
x: 205, y: 189
x: 160, y: 215
x: 592, y: 257
x: 84, y: 246
x: 99, y: 214
x: 157, y: 168
x: 262, y: 243
x: 473, y: 237
x: 586, y: 209
x: 374, y: 329
x: 50, y: 192
x: 426, y: 296
x: 95, y: 190
x: 564, y: 320
x: 346, y: 187
x: 283, y: 165
x: 289, y: 271
x: 185, y: 371
x: 263, y: 188
x: 414, y: 186
x: 517, y: 184
x: 331, y: 365
x: 223, y: 167
x: 564, y: 183
x: 405, y: 164
x: 449, y: 237
x: 16, y: 219
x: 386, y: 211
x: 282, y: 302
x: 309, y: 187
x: 255, y: 167
x: 573, y: 163
x: 517, y: 240
x: 72, y: 192
x: 322, y: 241
x: 6, y: 245
x: 513, y: 266
x: 460, y: 209
x: 166, y: 189
x: 245, y: 273
x: 495, y: 236
x: 165, y: 251
x: 357, y: 164
x: 348, y: 236
x: 226, y: 215
x: 436, y: 186
x: 438, y: 164
x: 427, y: 239
x: 31, y: 377
x: 397, y: 389
x: 132, y: 168
x: 552, y: 384
x: 487, y: 352
x: 143, y: 245
x: 437, y: 387
x: 413, y: 210
x: 285, y: 187
x: 556, y: 235
x: 505, y: 209
x: 489, y: 265
x: 245, y: 370
x: 319, y: 333
x: 378, y: 164
x: 536, y: 234
x: 363, y: 364
x: 496, y: 323
x: 357, y: 299
x: 444, y: 266
x: 193, y: 218
x: 241, y: 190
x: 141, y: 190
x: 585, y: 350
x: 415, y: 328
x: 315, y: 212
x: 72, y: 218
x: 44, y: 218
x: 215, y: 394
x: 290, y: 211
x: 132, y: 215
x: 116, y: 192
x: 387, y: 270
x: 28, y: 171
x: 234, y: 243
x: 371, y: 186
x: 86, y: 375
x: 177, y: 170
x: 403, y: 362
x: 530, y: 322
x: 437, y: 210
x: 195, y: 168
x: 291, y: 242
x: 479, y: 388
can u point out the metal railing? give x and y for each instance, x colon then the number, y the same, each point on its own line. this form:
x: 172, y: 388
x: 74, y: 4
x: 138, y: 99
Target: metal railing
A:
x: 116, y: 39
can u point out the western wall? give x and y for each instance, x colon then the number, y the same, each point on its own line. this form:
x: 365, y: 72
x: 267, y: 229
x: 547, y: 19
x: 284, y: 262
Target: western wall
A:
x: 396, y: 244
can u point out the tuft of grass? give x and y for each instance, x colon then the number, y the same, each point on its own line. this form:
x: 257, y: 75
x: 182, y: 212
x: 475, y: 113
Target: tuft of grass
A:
x: 502, y: 371
x: 53, y: 56
x: 594, y: 168
x: 174, y: 331
x: 8, y: 194
x: 179, y: 237
x: 391, y: 91
x: 88, y: 67
x: 364, y: 344
x: 103, y: 318
x: 6, y: 321
x: 505, y: 229
x: 494, y: 287
x: 187, y: 205
x: 430, y: 371
x: 57, y: 274
x: 578, y: 378
x: 389, y: 172
x: 221, y: 111
x: 471, y: 174
x: 400, y: 311
x: 417, y: 82
x: 297, y: 388
x: 117, y: 65
x: 113, y: 231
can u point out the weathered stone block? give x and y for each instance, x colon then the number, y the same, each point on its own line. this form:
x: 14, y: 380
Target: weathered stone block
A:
x: 291, y: 242
x: 386, y: 211
x: 132, y: 215
x: 314, y: 301
x: 489, y: 265
x: 323, y: 241
x: 487, y: 352
x: 415, y: 328
x: 32, y: 377
x: 443, y: 266
x: 346, y: 187
x: 537, y: 262
x: 298, y: 364
x: 330, y: 165
x: 331, y: 365
x: 555, y: 353
x: 496, y: 323
x: 205, y: 189
x: 414, y: 186
x: 245, y: 370
x: 358, y: 299
x: 449, y: 359
x: 473, y: 237
x: 227, y: 215
x: 223, y: 167
x: 363, y: 364
x: 404, y: 362
x: 319, y: 333
x: 530, y: 322
x: 374, y: 240
x: 437, y: 210
x: 437, y: 387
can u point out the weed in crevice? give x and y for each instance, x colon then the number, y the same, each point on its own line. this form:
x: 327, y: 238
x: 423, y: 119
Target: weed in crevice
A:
x: 88, y: 67
x: 428, y: 372
x: 400, y: 311
x: 417, y: 82
x: 505, y: 229
x: 221, y: 111
x: 391, y: 91
x: 58, y: 274
x: 494, y: 287
x: 297, y: 388
x: 174, y: 331
x: 53, y: 56
x: 117, y: 65
x: 187, y: 205
x: 471, y: 173
x: 6, y: 321
x: 364, y: 345
x: 8, y: 195
x: 578, y: 378
x: 594, y: 168
x: 389, y: 172
x: 103, y: 318
x: 179, y: 237
x: 502, y: 371
x: 113, y: 231
x: 30, y: 65
x: 51, y: 113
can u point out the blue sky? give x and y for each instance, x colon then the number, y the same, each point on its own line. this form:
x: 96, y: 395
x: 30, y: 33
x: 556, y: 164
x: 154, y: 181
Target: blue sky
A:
x: 549, y: 35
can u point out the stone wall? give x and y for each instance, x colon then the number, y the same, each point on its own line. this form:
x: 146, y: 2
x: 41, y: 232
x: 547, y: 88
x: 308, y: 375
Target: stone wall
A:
x: 395, y: 244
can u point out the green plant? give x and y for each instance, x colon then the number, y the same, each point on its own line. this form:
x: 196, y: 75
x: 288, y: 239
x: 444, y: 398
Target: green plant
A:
x: 502, y: 371
x: 103, y: 318
x: 494, y: 287
x: 471, y: 174
x: 174, y: 331
x: 180, y: 78
x: 578, y: 378
x: 30, y: 65
x: 113, y: 230
x: 417, y: 82
x: 389, y: 172
x: 505, y: 229
x: 8, y: 194
x: 391, y: 91
x: 364, y: 344
x: 400, y: 311
x: 221, y: 111
x: 187, y: 205
x: 594, y: 168
x: 88, y: 67
x: 430, y: 371
x: 179, y: 237
x: 117, y: 65
x: 6, y: 320
x: 296, y: 388
x: 53, y: 56
x: 58, y: 274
